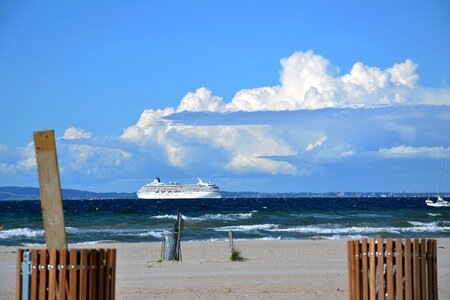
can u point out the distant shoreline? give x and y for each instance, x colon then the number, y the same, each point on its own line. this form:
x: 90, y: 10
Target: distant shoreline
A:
x: 30, y: 193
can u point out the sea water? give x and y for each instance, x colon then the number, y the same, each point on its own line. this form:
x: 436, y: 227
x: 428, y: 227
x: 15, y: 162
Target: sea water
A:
x: 104, y: 221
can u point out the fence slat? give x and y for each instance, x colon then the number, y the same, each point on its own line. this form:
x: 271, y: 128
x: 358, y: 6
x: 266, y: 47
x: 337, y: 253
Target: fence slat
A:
x: 19, y: 274
x: 73, y: 274
x: 423, y: 268
x: 101, y: 274
x: 108, y: 274
x: 416, y: 270
x: 373, y: 291
x: 83, y: 275
x: 43, y: 274
x: 399, y: 268
x: 380, y: 269
x: 389, y: 269
x: 365, y: 286
x: 113, y: 272
x: 34, y: 274
x: 357, y: 269
x: 62, y: 274
x: 435, y: 277
x: 351, y: 271
x: 408, y: 270
x: 430, y: 270
x: 52, y: 275
x: 93, y: 274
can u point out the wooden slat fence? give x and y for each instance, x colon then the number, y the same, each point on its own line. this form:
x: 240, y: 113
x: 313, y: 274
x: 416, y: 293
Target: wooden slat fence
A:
x: 66, y: 274
x: 388, y: 269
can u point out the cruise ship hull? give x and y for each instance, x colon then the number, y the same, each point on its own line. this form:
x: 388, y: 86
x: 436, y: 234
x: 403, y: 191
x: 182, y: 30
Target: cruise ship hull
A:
x: 148, y: 196
x: 159, y: 190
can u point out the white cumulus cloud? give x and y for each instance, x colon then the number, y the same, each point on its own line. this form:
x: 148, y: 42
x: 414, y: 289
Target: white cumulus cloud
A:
x: 73, y: 133
x: 310, y: 81
x: 201, y: 100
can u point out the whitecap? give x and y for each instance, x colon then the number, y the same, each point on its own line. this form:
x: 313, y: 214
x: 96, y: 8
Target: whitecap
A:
x: 434, y: 214
x: 247, y: 227
x: 220, y: 217
x: 328, y: 230
x: 174, y: 217
x: 20, y: 232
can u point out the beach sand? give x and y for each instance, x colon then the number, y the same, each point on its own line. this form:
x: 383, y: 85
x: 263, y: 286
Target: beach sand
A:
x: 294, y: 269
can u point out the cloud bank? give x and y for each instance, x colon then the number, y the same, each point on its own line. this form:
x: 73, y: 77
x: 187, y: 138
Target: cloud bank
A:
x: 310, y: 81
x: 315, y: 123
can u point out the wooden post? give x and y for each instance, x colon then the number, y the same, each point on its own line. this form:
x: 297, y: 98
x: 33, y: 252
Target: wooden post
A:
x: 50, y: 189
x: 180, y: 226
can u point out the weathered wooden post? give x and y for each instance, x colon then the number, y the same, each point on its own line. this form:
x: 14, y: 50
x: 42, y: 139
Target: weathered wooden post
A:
x: 230, y: 241
x: 50, y: 189
x: 171, y: 247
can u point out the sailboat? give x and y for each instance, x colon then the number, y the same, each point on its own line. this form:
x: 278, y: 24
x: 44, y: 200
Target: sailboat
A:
x: 440, y: 202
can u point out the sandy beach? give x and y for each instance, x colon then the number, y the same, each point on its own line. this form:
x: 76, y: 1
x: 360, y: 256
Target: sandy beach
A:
x: 286, y: 269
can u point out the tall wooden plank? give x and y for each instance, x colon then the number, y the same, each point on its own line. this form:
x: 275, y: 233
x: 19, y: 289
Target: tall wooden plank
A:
x: 82, y: 294
x: 408, y: 270
x: 52, y: 274
x: 62, y: 274
x: 73, y: 275
x: 43, y: 274
x: 380, y: 268
x: 351, y: 270
x: 389, y: 269
x: 364, y: 266
x: 101, y: 274
x: 416, y: 270
x: 399, y: 268
x: 34, y: 274
x: 93, y: 274
x: 372, y: 266
x: 50, y: 190
x: 423, y: 268
x: 19, y: 274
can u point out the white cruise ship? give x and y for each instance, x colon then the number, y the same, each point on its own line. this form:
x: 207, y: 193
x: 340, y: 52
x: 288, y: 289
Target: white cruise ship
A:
x: 158, y: 190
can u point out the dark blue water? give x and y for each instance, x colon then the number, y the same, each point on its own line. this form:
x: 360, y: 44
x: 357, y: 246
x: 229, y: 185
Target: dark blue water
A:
x: 99, y: 221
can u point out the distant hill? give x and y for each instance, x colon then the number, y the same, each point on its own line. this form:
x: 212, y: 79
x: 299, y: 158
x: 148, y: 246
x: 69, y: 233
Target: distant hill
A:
x: 28, y: 193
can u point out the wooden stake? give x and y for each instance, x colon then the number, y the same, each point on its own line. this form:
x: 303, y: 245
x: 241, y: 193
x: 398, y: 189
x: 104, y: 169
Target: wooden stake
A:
x: 50, y: 189
x: 230, y: 241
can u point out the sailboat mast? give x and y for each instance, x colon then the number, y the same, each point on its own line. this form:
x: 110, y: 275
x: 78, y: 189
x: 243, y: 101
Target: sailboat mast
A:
x: 440, y: 178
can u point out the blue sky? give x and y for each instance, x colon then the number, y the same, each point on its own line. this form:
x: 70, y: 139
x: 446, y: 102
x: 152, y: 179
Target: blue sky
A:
x: 270, y: 96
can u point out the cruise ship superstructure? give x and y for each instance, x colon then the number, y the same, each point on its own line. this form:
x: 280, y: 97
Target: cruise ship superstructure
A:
x: 159, y: 190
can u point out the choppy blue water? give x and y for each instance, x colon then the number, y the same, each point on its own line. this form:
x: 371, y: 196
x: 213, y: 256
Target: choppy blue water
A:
x: 100, y: 221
